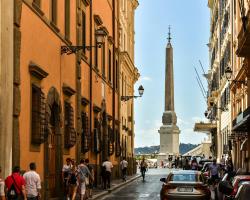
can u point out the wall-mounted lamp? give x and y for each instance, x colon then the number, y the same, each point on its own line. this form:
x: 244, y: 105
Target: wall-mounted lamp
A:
x: 140, y: 90
x: 100, y: 38
x: 229, y: 72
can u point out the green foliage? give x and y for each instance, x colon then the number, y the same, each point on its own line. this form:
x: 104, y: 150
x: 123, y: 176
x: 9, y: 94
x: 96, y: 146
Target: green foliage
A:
x: 155, y: 149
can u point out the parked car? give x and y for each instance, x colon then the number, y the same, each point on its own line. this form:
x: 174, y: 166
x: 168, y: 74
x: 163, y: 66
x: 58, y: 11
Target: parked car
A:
x: 184, y: 184
x: 237, y: 182
x: 230, y: 189
x: 243, y: 192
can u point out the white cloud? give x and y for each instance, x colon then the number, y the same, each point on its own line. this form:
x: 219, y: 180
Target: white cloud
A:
x: 146, y: 78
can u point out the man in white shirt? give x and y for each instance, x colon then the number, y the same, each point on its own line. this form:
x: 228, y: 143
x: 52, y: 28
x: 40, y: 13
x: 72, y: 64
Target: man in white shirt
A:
x: 33, y: 183
x: 124, y: 166
x: 108, y: 168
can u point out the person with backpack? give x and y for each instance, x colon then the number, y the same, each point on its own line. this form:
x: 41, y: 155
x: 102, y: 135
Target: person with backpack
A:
x: 2, y: 193
x: 83, y: 174
x: 65, y: 177
x: 73, y: 180
x: 15, y: 185
x: 91, y: 181
x: 33, y: 183
x: 124, y: 166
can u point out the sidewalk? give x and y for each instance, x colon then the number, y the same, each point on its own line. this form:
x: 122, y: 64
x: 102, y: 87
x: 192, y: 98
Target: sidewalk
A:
x: 115, y: 184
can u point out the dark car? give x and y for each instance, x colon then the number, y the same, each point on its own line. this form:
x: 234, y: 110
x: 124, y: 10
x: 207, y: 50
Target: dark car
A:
x: 184, y: 184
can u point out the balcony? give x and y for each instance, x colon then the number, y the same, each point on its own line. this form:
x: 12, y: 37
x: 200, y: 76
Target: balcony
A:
x: 243, y: 49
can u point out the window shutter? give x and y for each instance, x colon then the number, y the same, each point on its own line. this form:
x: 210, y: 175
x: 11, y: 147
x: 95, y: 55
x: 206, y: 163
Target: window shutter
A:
x: 38, y: 126
x: 69, y: 131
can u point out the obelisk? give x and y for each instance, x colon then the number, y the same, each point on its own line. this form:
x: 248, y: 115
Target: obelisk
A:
x: 169, y: 131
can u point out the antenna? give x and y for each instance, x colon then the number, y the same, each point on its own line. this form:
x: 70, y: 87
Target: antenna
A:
x: 203, y: 89
x: 169, y: 34
x: 202, y: 67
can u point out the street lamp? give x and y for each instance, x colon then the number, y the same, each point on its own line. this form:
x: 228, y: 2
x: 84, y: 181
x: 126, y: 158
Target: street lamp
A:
x: 229, y: 72
x: 140, y: 91
x: 100, y: 38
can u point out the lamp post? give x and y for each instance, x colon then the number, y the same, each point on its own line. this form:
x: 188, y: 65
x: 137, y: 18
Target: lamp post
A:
x: 229, y: 72
x: 100, y: 38
x: 140, y: 91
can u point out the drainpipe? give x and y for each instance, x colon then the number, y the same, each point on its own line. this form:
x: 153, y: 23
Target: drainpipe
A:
x: 114, y: 58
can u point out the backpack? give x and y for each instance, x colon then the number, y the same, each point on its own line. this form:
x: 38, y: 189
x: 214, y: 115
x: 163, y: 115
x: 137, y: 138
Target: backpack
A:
x: 12, y: 192
x: 82, y: 176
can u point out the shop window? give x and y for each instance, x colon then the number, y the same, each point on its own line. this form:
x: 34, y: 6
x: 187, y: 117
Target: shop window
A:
x: 69, y: 131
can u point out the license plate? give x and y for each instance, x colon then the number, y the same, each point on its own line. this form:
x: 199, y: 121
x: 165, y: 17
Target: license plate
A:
x: 185, y: 189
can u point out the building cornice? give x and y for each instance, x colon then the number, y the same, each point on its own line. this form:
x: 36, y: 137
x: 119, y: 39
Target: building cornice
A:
x: 130, y: 65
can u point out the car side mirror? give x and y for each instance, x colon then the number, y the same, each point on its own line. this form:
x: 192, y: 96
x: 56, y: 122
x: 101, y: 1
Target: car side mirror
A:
x: 163, y: 180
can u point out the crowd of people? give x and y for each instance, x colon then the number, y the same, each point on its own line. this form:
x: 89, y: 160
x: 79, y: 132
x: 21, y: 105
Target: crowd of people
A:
x: 78, y: 180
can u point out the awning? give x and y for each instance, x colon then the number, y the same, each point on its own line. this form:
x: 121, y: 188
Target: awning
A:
x: 241, y: 122
x: 204, y: 127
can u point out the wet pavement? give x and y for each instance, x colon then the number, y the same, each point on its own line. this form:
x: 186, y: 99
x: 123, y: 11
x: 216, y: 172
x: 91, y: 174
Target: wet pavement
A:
x: 150, y: 189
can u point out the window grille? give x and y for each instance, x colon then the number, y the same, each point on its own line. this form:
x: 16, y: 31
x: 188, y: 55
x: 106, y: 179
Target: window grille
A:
x: 86, y: 137
x: 38, y: 119
x: 69, y: 131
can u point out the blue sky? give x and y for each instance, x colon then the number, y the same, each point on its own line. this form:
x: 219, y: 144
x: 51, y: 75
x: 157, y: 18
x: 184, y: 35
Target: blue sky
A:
x: 189, y: 20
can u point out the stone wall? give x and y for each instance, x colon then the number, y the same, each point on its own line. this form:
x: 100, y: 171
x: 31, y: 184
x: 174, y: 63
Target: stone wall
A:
x: 6, y: 84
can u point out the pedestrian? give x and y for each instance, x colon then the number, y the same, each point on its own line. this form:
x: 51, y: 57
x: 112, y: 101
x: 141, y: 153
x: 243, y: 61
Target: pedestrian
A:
x: 2, y: 193
x: 124, y: 166
x: 91, y: 181
x: 194, y: 164
x: 65, y: 177
x: 143, y: 167
x: 83, y: 174
x: 108, y: 169
x: 15, y: 185
x: 73, y: 180
x: 33, y: 183
x: 222, y: 162
x: 214, y: 172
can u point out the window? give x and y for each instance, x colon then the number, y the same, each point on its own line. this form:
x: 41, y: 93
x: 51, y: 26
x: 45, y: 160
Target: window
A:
x: 84, y: 32
x: 37, y: 2
x: 54, y: 11
x: 69, y: 131
x: 67, y: 19
x: 85, y: 139
x: 38, y: 120
x: 103, y: 60
x: 116, y: 75
x: 96, y: 55
x: 110, y: 67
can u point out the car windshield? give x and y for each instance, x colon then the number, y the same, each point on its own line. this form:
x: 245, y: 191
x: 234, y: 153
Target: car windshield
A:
x: 244, y: 182
x: 184, y: 177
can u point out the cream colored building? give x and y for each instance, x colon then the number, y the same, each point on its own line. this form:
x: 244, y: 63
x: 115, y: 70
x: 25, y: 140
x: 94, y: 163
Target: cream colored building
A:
x: 6, y: 84
x: 220, y: 50
x: 128, y: 76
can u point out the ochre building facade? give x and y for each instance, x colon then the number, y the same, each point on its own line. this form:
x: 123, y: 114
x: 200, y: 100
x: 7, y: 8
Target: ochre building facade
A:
x: 67, y: 102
